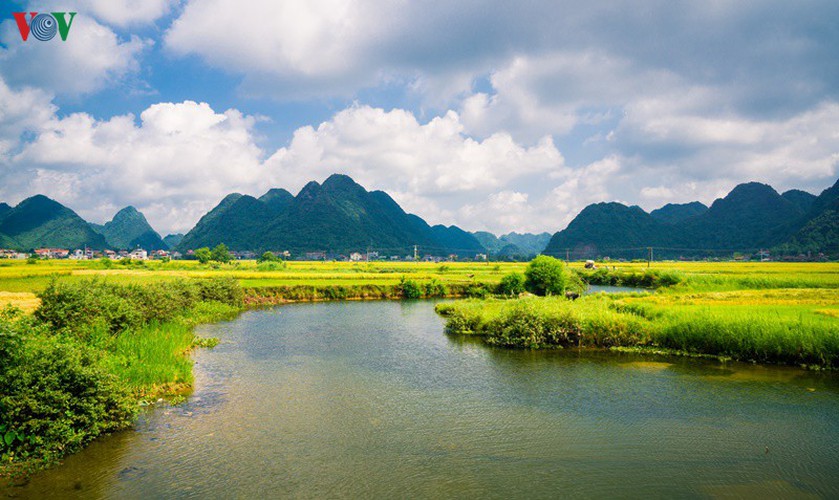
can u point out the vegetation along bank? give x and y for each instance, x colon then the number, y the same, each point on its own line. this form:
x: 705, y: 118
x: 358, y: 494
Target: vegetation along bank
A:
x: 788, y: 318
x: 78, y: 367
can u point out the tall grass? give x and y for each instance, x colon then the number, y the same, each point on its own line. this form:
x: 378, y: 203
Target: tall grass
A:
x: 152, y: 356
x: 767, y: 329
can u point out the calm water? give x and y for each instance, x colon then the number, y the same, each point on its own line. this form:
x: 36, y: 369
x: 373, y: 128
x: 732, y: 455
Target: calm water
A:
x: 372, y: 399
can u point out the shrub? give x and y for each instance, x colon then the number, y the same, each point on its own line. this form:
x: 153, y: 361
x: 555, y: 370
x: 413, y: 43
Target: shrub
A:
x: 409, y: 289
x: 56, y: 396
x: 94, y: 304
x: 435, y: 289
x: 477, y: 291
x: 546, y: 276
x: 525, y: 326
x: 271, y: 265
x: 224, y: 290
x: 512, y: 284
x: 78, y: 307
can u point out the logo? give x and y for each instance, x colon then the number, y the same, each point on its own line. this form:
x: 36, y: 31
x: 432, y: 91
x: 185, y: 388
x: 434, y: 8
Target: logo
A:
x: 44, y: 26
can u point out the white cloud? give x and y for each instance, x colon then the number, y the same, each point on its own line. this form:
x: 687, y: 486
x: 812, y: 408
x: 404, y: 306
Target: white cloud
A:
x: 20, y: 112
x: 177, y: 162
x: 179, y: 159
x: 281, y: 44
x: 91, y: 58
x: 554, y: 92
x: 392, y: 150
x: 692, y: 144
x: 124, y: 12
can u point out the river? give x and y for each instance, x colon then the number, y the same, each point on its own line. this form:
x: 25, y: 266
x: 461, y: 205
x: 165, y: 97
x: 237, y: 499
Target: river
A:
x: 373, y: 399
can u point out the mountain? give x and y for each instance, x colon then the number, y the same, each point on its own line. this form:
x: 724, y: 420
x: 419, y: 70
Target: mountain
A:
x: 454, y: 240
x: 4, y: 209
x: 528, y: 243
x: 521, y: 246
x: 608, y: 229
x: 801, y: 199
x: 237, y: 221
x: 277, y: 199
x: 338, y: 216
x: 173, y: 240
x: 819, y: 229
x: 489, y: 241
x: 751, y: 216
x: 41, y: 222
x: 129, y: 229
x: 673, y: 213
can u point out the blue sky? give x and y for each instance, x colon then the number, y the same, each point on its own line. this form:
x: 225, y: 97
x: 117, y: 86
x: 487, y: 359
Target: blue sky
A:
x: 490, y: 115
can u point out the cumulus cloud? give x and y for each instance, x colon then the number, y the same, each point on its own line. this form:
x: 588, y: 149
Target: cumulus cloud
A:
x: 91, y: 58
x: 174, y: 163
x: 392, y: 148
x: 176, y: 160
x: 283, y: 44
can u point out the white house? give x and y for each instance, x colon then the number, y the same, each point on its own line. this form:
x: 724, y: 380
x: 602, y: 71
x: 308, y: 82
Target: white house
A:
x: 139, y: 254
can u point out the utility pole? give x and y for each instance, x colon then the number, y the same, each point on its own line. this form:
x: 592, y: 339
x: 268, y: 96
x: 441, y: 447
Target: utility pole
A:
x: 567, y: 255
x: 651, y: 256
x: 416, y: 255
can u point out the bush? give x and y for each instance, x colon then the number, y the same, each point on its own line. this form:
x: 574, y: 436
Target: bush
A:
x: 477, y: 291
x: 224, y: 290
x: 269, y: 262
x: 271, y: 265
x: 435, y: 289
x: 547, y: 276
x: 409, y: 289
x: 56, y: 396
x: 524, y: 326
x: 78, y: 307
x: 512, y: 284
x: 84, y: 307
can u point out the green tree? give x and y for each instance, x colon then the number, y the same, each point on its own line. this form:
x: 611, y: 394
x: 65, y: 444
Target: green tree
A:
x: 203, y: 255
x: 267, y: 257
x: 546, y: 276
x: 512, y: 284
x: 221, y: 254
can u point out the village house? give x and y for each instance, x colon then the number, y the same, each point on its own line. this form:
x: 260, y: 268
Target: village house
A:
x: 52, y: 253
x: 315, y: 255
x: 138, y: 254
x: 356, y: 257
x: 12, y: 254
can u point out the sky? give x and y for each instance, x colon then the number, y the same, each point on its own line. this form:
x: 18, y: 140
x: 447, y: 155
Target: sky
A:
x: 491, y: 115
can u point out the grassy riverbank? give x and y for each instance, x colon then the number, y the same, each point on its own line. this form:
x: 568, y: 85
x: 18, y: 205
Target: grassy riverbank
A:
x: 766, y: 317
x: 91, y: 354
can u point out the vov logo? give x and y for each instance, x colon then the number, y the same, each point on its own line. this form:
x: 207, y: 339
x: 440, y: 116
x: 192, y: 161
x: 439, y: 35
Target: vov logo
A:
x: 44, y: 26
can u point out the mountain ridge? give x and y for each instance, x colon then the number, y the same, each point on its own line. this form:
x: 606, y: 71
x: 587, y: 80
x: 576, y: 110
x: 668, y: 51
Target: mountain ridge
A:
x: 751, y: 216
